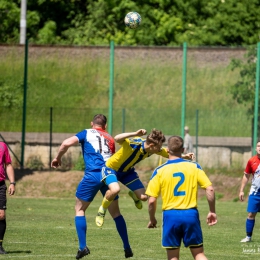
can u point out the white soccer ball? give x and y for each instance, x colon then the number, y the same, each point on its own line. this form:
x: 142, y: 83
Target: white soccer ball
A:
x: 133, y: 20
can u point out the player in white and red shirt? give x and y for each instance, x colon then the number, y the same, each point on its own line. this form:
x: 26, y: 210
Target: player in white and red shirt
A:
x: 252, y: 168
x: 97, y: 147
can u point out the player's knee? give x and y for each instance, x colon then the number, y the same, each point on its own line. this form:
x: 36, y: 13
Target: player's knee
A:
x: 251, y: 215
x: 115, y: 189
x: 143, y: 197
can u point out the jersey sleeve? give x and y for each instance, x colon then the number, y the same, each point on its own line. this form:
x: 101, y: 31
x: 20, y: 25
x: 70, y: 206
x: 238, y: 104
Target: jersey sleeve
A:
x: 81, y: 136
x: 154, y: 185
x: 163, y: 152
x: 203, y: 179
x: 7, y: 157
x: 248, y: 169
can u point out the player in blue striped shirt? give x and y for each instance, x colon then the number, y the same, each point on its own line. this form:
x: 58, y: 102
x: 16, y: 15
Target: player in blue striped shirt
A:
x: 121, y: 166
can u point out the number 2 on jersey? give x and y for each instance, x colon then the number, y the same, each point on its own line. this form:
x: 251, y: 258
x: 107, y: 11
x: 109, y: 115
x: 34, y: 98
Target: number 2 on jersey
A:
x: 176, y: 192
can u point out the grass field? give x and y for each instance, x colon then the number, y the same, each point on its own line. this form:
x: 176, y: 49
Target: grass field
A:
x: 44, y: 229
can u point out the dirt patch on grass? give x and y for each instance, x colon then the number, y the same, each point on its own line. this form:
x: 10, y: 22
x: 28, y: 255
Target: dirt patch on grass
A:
x: 63, y: 184
x: 48, y: 184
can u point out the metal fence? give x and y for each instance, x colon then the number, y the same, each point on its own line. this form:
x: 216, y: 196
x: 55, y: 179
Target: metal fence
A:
x: 68, y: 120
x: 147, y: 90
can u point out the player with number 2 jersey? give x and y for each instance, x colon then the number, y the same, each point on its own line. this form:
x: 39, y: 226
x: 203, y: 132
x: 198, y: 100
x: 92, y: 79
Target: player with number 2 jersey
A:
x: 177, y: 181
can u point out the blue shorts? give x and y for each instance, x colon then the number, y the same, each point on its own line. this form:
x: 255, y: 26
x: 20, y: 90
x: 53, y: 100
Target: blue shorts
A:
x: 181, y: 224
x: 130, y: 178
x: 89, y: 185
x: 253, y: 205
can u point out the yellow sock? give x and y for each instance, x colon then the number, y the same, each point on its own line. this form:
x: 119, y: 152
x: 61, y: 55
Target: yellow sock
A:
x: 133, y: 196
x: 105, y: 203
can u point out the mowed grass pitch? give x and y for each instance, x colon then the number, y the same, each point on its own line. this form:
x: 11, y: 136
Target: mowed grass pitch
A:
x: 44, y: 229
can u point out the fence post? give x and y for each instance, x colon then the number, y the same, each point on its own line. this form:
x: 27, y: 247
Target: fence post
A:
x: 111, y: 88
x: 184, y: 72
x: 197, y: 133
x: 256, y: 100
x: 123, y: 120
x: 24, y: 102
x: 50, y: 158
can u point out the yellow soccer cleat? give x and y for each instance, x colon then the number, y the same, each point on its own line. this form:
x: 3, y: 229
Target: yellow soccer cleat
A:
x: 138, y: 203
x: 100, y: 216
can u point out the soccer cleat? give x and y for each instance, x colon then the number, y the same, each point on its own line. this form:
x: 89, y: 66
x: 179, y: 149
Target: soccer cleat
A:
x: 100, y: 216
x: 246, y: 239
x: 128, y: 253
x: 138, y: 203
x: 82, y: 253
x: 2, y: 251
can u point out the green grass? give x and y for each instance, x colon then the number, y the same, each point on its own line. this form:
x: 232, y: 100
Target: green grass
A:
x: 148, y: 90
x: 44, y: 229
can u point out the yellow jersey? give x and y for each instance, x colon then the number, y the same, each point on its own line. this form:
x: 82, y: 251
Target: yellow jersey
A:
x: 177, y: 181
x: 131, y: 152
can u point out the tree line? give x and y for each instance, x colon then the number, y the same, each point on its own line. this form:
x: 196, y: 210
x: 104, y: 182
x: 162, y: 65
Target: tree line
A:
x: 164, y: 22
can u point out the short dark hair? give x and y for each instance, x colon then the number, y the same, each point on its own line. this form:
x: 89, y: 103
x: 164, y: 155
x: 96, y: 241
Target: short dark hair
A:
x: 99, y: 119
x: 175, y: 144
x: 156, y: 136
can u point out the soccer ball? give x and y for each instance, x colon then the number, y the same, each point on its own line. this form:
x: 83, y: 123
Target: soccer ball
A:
x: 133, y: 20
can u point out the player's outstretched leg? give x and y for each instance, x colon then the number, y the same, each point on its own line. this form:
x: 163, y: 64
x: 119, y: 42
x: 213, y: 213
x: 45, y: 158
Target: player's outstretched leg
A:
x: 111, y: 193
x: 82, y: 253
x: 100, y: 216
x: 138, y: 203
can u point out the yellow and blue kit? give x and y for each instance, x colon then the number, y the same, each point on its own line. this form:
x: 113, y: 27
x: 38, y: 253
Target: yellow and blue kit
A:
x: 177, y: 182
x: 122, y: 163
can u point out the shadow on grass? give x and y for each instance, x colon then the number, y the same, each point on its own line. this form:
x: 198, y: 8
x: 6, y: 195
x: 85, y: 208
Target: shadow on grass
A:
x: 19, y: 252
x: 20, y: 173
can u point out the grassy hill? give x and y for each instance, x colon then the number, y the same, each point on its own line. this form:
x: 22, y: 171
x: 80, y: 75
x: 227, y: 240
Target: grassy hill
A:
x: 147, y: 90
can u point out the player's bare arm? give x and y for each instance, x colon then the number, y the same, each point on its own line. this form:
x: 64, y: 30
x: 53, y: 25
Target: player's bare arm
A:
x: 152, y: 203
x: 121, y: 137
x: 244, y: 181
x: 189, y: 156
x: 212, y: 217
x: 10, y: 173
x: 66, y: 144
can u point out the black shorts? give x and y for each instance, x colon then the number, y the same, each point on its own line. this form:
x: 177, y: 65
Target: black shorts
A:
x: 3, y: 189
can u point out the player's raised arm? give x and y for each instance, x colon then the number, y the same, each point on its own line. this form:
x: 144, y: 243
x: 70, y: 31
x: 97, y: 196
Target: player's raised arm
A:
x: 63, y: 149
x: 121, y: 137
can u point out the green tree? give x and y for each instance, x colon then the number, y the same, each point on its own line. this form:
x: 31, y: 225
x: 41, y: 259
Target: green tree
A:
x: 9, y: 21
x: 243, y: 90
x: 164, y: 22
x: 11, y: 96
x: 47, y: 35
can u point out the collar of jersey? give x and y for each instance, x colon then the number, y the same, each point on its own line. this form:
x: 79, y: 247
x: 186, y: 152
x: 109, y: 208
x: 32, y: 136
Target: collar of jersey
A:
x: 99, y: 128
x: 176, y: 160
x: 143, y: 150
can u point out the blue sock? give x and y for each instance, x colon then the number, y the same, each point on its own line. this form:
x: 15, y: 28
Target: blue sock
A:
x: 122, y: 231
x: 81, y: 228
x: 249, y: 226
